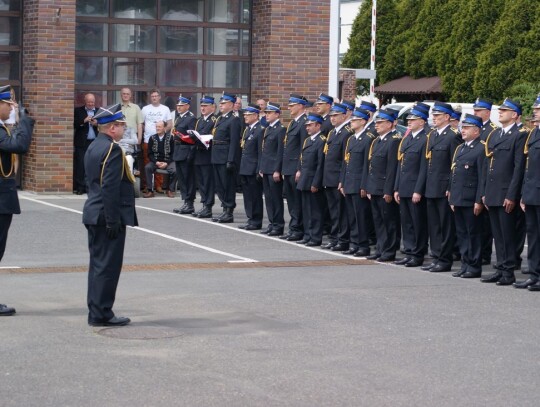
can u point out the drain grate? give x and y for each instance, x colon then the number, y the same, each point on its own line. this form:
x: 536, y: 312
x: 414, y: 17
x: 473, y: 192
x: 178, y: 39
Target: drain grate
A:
x: 140, y: 332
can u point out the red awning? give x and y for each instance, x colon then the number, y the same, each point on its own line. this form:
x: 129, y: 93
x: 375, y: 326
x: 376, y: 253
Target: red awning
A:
x: 410, y: 86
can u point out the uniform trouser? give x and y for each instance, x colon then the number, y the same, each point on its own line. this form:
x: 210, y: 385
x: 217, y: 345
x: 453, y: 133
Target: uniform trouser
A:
x: 205, y: 180
x: 386, y: 220
x: 469, y: 238
x: 414, y: 226
x: 312, y: 207
x: 106, y: 257
x: 5, y: 222
x: 487, y: 237
x: 339, y: 224
x: 150, y: 169
x: 532, y: 214
x: 358, y: 214
x: 521, y: 232
x: 225, y: 185
x: 442, y: 230
x: 273, y: 200
x: 185, y: 172
x: 253, y: 199
x: 79, y: 182
x: 503, y: 226
x: 294, y: 205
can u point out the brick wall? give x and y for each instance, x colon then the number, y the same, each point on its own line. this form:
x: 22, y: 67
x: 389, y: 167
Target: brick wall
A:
x: 48, y: 85
x: 290, y: 48
x: 347, y: 83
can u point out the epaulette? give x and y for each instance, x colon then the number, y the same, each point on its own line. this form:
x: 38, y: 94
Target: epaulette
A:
x: 190, y: 113
x: 454, y: 130
x: 323, y: 138
x: 370, y: 134
x: 482, y: 142
x: 524, y: 129
x: 348, y: 128
x: 493, y: 125
x: 213, y: 118
x: 396, y: 136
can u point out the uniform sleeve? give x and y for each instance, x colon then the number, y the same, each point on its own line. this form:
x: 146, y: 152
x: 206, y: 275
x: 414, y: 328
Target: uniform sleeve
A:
x: 365, y: 170
x: 480, y: 168
x: 317, y: 179
x: 110, y: 184
x: 514, y: 189
x: 234, y: 146
x: 420, y: 187
x: 21, y: 136
x: 391, y: 167
x: 279, y: 159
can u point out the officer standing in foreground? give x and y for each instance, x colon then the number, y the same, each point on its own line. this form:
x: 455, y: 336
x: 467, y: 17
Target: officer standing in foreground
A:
x: 380, y: 187
x: 270, y: 161
x: 503, y: 176
x: 184, y: 153
x: 465, y: 197
x: 352, y: 184
x: 249, y: 177
x: 110, y: 207
x: 226, y: 156
x: 410, y: 188
x: 441, y: 144
x: 203, y: 158
x: 12, y: 142
x: 309, y: 181
x: 530, y: 203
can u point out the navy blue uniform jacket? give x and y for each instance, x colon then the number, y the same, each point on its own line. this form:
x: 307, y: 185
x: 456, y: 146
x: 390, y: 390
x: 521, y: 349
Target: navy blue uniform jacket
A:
x: 292, y: 144
x: 355, y: 164
x: 411, y: 172
x: 467, y: 168
x: 311, y: 164
x: 383, y: 165
x: 271, y: 154
x: 440, y: 152
x: 334, y: 151
x: 251, y: 142
x: 226, y: 142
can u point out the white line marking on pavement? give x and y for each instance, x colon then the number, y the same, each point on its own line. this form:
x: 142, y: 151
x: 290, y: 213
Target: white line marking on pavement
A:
x: 256, y: 234
x: 9, y: 267
x: 239, y: 259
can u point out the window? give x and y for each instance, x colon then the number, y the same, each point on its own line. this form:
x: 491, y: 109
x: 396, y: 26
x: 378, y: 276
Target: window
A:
x: 10, y: 44
x: 190, y: 47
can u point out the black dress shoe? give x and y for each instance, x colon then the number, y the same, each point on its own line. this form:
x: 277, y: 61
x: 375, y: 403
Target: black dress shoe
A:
x: 311, y: 243
x: 176, y: 210
x: 402, y: 261
x: 340, y: 247
x: 114, y: 321
x: 506, y: 281
x: 472, y: 274
x: 492, y: 278
x: 328, y: 245
x: 217, y: 218
x: 438, y: 268
x: 275, y: 232
x: 429, y: 266
x: 534, y: 287
x: 303, y: 241
x: 266, y: 231
x: 458, y: 273
x: 6, y: 311
x: 362, y: 252
x: 373, y: 256
x: 252, y: 227
x: 386, y: 259
x: 187, y: 210
x: 352, y: 251
x: 414, y: 263
x: 242, y: 226
x: 526, y: 283
x: 293, y: 238
x: 285, y: 237
x: 227, y: 218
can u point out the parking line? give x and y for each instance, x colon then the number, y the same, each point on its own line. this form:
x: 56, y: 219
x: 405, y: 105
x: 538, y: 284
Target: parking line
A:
x: 238, y: 259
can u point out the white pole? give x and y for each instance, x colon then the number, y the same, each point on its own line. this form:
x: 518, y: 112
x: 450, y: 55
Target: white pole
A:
x: 373, y: 37
x: 333, y: 71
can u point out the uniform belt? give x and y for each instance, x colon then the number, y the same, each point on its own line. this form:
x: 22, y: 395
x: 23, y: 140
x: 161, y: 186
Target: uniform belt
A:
x: 219, y: 142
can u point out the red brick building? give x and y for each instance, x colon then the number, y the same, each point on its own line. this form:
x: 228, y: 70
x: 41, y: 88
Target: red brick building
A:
x: 54, y: 51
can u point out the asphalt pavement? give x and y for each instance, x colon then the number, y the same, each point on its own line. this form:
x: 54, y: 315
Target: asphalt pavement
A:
x: 225, y: 317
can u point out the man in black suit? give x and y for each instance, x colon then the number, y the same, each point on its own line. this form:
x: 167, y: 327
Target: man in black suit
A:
x: 85, y: 132
x: 226, y: 156
x: 465, y: 196
x: 530, y: 203
x: 309, y: 181
x: 270, y: 161
x: 12, y: 142
x: 441, y: 144
x: 333, y: 161
x: 410, y: 188
x: 380, y: 187
x: 203, y: 158
x: 110, y: 207
x: 502, y: 178
x: 352, y: 186
x: 482, y: 109
x: 249, y: 176
x: 292, y: 144
x: 184, y: 153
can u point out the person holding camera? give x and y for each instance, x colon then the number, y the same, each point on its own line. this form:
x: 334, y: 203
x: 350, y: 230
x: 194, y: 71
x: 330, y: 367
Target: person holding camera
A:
x: 12, y: 141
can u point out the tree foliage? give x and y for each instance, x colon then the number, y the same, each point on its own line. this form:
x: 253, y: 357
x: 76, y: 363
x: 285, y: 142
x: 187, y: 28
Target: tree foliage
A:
x: 478, y: 48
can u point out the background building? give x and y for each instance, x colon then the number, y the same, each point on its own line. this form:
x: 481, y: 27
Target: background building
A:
x: 53, y: 51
